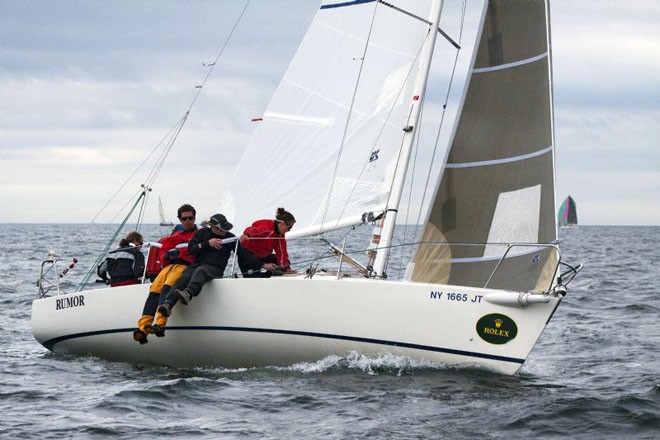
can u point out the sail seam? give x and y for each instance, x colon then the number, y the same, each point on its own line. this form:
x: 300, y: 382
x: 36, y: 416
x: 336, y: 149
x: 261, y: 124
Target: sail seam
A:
x: 498, y: 257
x: 499, y: 161
x: 347, y: 3
x: 510, y: 65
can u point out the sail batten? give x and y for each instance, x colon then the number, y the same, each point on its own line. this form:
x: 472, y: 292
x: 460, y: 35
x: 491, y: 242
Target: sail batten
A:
x: 510, y: 65
x: 500, y: 161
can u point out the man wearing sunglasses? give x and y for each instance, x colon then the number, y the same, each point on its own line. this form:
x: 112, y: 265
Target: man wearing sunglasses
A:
x: 174, y: 257
x: 212, y: 248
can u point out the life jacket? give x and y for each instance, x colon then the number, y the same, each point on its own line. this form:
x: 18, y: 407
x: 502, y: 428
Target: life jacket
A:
x: 123, y: 266
x: 154, y: 265
x: 173, y: 241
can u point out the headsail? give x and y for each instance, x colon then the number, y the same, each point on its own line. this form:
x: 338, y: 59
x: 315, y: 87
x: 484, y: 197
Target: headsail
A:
x: 328, y: 142
x: 498, y: 182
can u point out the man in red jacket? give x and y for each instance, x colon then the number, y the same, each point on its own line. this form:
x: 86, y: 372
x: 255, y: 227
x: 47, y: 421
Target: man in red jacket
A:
x: 175, y: 257
x: 267, y: 236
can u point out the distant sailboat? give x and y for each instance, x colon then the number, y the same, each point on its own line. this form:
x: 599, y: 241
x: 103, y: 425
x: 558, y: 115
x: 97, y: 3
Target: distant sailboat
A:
x: 161, y: 213
x: 567, y: 216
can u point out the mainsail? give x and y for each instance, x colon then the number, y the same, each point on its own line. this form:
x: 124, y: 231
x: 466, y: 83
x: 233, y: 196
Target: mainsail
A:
x: 567, y: 215
x: 498, y: 181
x: 327, y: 145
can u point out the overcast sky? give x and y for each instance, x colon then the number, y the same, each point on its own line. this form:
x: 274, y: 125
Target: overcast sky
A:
x: 89, y: 88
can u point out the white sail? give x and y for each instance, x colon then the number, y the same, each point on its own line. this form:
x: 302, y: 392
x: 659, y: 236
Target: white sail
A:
x: 498, y: 183
x: 161, y: 214
x: 328, y: 143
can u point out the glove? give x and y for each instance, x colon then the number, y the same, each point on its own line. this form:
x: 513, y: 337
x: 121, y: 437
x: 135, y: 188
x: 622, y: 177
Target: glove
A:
x: 172, y: 254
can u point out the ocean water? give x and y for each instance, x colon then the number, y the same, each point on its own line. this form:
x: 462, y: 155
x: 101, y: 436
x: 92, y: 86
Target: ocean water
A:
x: 595, y: 372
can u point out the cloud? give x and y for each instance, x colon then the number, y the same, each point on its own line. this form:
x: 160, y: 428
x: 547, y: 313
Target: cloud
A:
x: 89, y: 89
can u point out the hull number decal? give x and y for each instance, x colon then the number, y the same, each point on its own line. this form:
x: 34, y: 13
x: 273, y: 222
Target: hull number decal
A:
x: 74, y: 301
x: 460, y: 297
x: 496, y: 328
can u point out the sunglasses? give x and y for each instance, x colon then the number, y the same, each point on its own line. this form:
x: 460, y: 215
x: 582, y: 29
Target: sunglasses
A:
x: 185, y: 219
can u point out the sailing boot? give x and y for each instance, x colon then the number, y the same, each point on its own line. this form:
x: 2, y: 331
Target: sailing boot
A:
x: 184, y: 296
x: 140, y: 335
x: 167, y: 302
x: 158, y: 327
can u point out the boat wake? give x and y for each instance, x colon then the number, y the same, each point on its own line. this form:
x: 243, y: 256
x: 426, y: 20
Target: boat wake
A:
x: 372, y: 365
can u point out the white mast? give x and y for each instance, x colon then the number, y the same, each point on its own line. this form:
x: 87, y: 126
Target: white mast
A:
x: 408, y: 140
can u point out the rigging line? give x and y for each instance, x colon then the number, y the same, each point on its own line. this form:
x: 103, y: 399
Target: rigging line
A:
x: 350, y: 112
x: 177, y: 127
x: 417, y: 132
x: 412, y: 181
x: 135, y: 172
x: 414, y: 167
x: 348, y: 120
x: 161, y: 160
x: 103, y: 253
x: 424, y: 20
x: 553, y: 139
x: 172, y: 134
x: 142, y: 211
x: 421, y: 47
x: 385, y: 124
x: 133, y: 197
x: 151, y: 179
x: 442, y: 118
x: 222, y: 49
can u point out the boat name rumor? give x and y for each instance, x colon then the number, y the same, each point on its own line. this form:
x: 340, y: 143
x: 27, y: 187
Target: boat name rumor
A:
x: 74, y: 301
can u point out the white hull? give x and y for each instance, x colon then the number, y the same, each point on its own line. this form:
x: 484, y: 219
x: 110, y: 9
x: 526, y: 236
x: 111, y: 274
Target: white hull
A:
x: 285, y: 320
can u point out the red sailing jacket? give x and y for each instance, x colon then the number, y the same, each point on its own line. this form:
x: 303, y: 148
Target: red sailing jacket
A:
x: 171, y: 242
x: 269, y: 240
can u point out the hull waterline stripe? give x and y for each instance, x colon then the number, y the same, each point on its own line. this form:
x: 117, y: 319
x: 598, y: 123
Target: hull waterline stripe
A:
x: 52, y: 342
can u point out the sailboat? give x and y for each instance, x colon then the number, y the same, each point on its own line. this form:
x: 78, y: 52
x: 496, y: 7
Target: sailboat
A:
x: 567, y: 216
x: 161, y: 214
x: 484, y: 277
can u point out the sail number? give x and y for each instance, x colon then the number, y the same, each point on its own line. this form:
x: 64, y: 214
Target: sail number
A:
x: 452, y: 296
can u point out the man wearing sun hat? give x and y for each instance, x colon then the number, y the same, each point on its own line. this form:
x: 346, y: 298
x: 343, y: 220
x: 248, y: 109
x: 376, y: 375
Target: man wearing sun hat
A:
x: 212, y: 247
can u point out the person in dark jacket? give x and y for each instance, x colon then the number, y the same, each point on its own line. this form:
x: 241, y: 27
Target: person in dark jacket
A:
x: 124, y: 266
x: 212, y: 248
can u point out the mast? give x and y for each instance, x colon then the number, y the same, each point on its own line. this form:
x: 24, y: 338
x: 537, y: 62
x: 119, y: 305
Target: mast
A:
x: 410, y: 130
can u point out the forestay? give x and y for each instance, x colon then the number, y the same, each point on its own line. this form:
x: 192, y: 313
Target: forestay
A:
x: 327, y: 145
x: 498, y: 182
